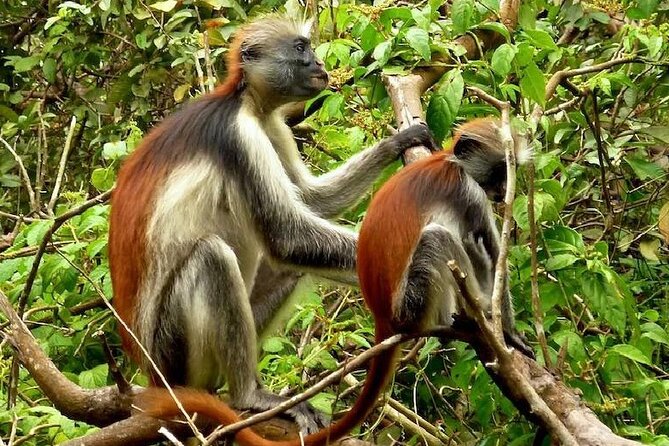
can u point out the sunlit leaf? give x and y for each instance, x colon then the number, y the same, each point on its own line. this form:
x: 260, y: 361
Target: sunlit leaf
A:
x: 419, y: 40
x: 462, y: 13
x: 533, y: 84
x: 630, y: 352
x: 165, y: 6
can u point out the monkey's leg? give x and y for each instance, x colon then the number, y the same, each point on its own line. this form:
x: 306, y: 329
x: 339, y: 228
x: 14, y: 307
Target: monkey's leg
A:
x: 220, y: 331
x: 429, y: 294
x: 272, y: 286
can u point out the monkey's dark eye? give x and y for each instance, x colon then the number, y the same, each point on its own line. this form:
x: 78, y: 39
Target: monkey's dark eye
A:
x: 300, y: 47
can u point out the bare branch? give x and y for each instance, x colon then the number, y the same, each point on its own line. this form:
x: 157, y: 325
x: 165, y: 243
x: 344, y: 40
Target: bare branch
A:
x: 61, y: 167
x: 500, y: 286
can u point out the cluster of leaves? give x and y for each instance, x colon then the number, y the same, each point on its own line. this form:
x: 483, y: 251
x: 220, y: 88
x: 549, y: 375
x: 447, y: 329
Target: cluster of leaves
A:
x: 119, y: 66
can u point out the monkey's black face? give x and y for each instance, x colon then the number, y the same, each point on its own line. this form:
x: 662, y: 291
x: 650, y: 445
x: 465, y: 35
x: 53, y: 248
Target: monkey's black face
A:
x: 309, y: 75
x: 495, y: 184
x: 283, y: 68
x: 301, y: 74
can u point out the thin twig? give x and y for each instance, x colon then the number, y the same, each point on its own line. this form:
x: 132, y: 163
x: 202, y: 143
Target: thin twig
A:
x: 501, y: 285
x: 61, y: 167
x: 57, y: 223
x: 561, y: 75
x: 564, y: 106
x: 114, y: 371
x: 593, y: 124
x: 534, y: 279
x: 200, y: 74
x: 24, y: 175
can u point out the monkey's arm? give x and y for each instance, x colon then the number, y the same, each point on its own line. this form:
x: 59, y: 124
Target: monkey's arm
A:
x: 330, y: 194
x: 289, y: 231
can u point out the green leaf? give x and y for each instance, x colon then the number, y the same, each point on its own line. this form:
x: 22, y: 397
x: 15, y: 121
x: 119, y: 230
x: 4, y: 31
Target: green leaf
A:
x: 49, y: 70
x: 35, y: 232
x: 560, y: 261
x: 9, y: 114
x: 525, y: 54
x: 370, y: 37
x: 572, y: 342
x: 324, y: 359
x: 462, y: 13
x: 520, y: 214
x: 644, y: 169
x: 527, y: 15
x: 102, y: 178
x: 26, y: 63
x: 358, y: 340
x: 643, y: 10
x: 604, y: 299
x: 114, y: 150
x: 653, y: 331
x: 445, y: 103
x: 136, y: 69
x: 94, y: 378
x: 180, y: 92
x: 631, y: 352
x: 120, y: 89
x: 323, y: 402
x: 566, y: 236
x: 165, y: 6
x: 383, y: 51
x: 273, y: 345
x: 496, y: 27
x: 533, y: 84
x: 51, y: 20
x: 541, y: 39
x: 502, y: 59
x: 419, y: 40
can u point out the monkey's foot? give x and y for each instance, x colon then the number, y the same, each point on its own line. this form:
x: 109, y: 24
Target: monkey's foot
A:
x: 307, y: 418
x: 518, y: 341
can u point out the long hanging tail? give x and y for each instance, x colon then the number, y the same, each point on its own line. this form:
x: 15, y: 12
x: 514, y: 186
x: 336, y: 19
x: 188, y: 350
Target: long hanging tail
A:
x: 158, y: 403
x: 379, y: 373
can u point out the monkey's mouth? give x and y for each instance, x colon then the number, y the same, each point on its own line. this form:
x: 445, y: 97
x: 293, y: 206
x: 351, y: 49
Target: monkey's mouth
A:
x: 322, y: 76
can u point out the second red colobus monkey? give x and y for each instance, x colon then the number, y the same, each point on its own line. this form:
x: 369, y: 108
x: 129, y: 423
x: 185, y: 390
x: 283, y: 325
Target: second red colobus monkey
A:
x: 433, y: 211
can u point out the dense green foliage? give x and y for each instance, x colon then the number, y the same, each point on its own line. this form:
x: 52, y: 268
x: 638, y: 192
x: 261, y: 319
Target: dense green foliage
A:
x: 116, y: 67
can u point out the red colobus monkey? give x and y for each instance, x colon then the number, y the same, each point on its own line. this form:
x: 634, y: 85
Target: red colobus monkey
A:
x: 214, y: 189
x: 432, y: 211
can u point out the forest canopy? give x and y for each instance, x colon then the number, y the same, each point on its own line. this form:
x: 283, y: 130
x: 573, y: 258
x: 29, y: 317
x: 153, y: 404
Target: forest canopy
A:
x: 587, y: 85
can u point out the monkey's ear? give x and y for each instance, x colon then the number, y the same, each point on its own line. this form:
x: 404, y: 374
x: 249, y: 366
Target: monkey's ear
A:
x: 465, y: 146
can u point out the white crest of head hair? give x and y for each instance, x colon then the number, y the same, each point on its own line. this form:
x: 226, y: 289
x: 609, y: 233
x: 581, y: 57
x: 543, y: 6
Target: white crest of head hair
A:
x: 305, y: 27
x: 524, y: 151
x: 265, y: 30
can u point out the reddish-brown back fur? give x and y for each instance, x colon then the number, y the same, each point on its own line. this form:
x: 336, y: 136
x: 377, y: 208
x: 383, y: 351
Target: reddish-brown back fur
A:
x: 132, y: 201
x: 392, y: 227
x: 235, y: 75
